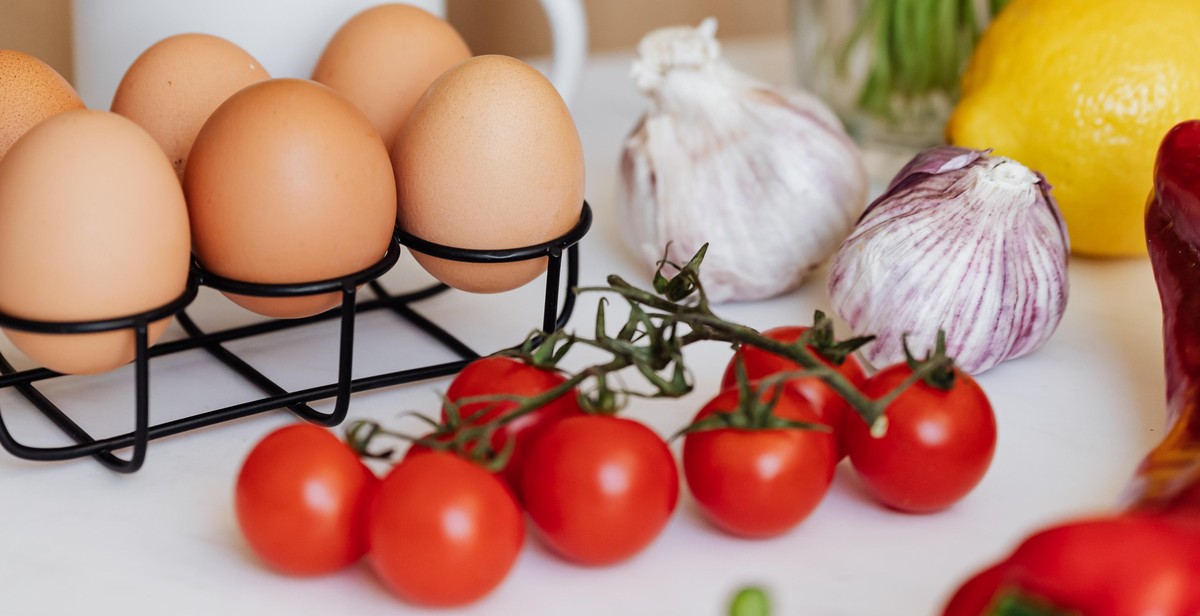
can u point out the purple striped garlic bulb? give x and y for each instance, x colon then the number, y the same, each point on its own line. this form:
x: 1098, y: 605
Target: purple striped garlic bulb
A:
x: 962, y: 241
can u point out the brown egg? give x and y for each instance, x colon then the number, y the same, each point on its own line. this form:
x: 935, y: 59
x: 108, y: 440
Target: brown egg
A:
x: 30, y: 91
x: 92, y: 226
x: 489, y: 159
x: 384, y: 58
x: 289, y: 183
x: 172, y: 88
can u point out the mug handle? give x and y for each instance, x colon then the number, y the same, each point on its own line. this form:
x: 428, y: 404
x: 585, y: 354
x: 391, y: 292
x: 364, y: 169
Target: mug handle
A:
x: 568, y: 26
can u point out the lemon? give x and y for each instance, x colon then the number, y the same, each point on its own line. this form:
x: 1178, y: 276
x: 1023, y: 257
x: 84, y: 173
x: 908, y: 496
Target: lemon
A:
x: 1083, y: 91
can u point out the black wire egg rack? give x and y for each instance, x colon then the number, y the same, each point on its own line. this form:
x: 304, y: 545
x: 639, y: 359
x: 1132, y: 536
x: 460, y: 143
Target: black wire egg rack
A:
x: 557, y: 310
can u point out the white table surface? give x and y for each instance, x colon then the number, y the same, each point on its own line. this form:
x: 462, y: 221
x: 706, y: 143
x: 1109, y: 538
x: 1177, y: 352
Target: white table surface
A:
x: 1074, y: 420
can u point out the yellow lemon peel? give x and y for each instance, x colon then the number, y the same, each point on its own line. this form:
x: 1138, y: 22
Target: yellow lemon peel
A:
x: 1083, y: 91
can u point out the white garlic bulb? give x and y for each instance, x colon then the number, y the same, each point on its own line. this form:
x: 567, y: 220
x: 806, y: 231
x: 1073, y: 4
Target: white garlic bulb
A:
x: 961, y: 241
x: 769, y: 179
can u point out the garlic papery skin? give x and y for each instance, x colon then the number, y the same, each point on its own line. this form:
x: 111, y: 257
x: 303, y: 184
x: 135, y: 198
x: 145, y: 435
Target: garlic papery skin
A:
x: 768, y: 179
x: 962, y: 241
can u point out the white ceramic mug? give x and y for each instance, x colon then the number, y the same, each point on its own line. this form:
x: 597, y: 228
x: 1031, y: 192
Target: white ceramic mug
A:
x: 286, y: 36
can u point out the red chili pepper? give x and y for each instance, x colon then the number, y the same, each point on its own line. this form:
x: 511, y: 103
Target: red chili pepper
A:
x: 1145, y: 561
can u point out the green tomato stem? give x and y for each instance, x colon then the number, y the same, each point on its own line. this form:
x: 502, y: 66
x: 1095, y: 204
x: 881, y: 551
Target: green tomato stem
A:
x: 707, y: 326
x: 651, y: 341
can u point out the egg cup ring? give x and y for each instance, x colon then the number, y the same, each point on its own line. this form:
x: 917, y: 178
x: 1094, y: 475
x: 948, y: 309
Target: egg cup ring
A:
x: 87, y: 445
x: 553, y: 318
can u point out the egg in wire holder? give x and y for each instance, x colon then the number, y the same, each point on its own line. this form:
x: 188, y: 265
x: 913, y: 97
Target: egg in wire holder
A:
x: 565, y: 247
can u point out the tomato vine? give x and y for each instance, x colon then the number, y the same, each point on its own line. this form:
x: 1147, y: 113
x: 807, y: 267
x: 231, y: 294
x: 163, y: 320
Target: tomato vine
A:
x: 663, y: 320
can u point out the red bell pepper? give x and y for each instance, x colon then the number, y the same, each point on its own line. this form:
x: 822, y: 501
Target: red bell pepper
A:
x: 1144, y: 561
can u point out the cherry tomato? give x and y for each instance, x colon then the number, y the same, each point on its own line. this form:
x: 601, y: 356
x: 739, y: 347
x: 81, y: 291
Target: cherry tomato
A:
x: 599, y: 489
x: 759, y: 483
x: 443, y: 530
x: 301, y: 501
x: 761, y: 364
x: 937, y: 447
x: 505, y: 375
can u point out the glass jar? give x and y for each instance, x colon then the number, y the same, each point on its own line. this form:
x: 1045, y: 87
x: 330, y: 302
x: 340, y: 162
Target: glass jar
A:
x: 889, y: 68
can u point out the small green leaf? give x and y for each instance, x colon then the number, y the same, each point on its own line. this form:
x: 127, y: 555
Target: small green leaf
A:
x: 543, y: 355
x: 766, y: 409
x: 694, y: 264
x: 452, y: 409
x: 681, y: 383
x: 680, y: 286
x: 839, y: 351
x: 685, y: 282
x: 638, y: 321
x: 562, y: 349
x: 821, y: 332
x: 601, y: 325
x: 495, y: 462
x: 602, y: 400
x: 359, y: 435
x: 719, y: 420
x: 630, y: 331
x: 937, y: 369
x: 777, y: 423
x: 660, y: 282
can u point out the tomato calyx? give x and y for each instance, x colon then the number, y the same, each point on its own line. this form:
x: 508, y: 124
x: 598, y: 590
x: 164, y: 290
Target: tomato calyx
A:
x: 361, y: 434
x: 542, y: 350
x: 603, y: 399
x: 821, y: 339
x: 653, y: 347
x: 458, y: 436
x: 937, y: 369
x: 755, y: 407
x: 677, y: 313
x: 684, y: 283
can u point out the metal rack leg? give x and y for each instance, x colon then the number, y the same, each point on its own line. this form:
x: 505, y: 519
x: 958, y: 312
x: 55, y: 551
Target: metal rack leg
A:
x: 553, y: 274
x: 345, y: 368
x: 345, y: 365
x: 140, y: 432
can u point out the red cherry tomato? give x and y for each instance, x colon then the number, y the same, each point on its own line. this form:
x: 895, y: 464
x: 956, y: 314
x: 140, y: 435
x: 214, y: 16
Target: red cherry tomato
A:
x: 759, y: 483
x: 599, y: 489
x: 507, y: 376
x: 937, y: 447
x: 301, y: 501
x: 761, y: 364
x: 443, y: 530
